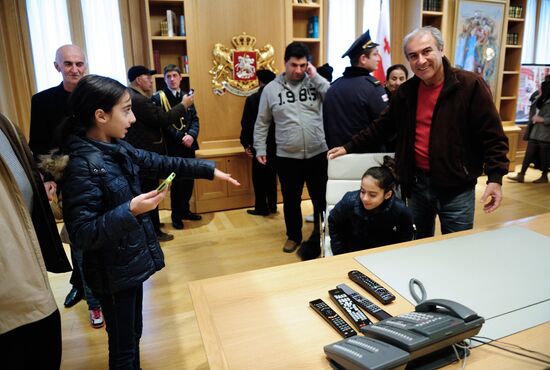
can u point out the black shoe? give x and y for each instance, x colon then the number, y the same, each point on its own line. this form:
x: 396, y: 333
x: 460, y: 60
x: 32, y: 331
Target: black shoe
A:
x: 257, y: 213
x: 192, y: 216
x: 74, y: 296
x: 178, y: 225
x: 164, y: 237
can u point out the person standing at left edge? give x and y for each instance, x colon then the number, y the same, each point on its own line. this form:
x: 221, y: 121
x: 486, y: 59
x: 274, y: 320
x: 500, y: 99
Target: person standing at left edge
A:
x: 30, y: 324
x: 181, y: 141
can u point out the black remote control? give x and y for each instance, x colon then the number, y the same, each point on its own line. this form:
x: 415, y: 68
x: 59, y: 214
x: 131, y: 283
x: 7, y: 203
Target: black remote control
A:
x: 357, y: 317
x: 364, y: 303
x: 335, y: 320
x: 371, y: 286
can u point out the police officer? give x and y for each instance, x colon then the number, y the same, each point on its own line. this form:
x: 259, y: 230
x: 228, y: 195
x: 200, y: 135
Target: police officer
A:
x: 181, y: 141
x: 357, y: 98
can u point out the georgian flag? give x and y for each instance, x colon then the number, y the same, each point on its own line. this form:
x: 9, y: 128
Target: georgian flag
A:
x: 383, y: 38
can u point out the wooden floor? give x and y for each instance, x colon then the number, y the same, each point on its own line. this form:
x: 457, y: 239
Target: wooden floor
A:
x: 223, y: 243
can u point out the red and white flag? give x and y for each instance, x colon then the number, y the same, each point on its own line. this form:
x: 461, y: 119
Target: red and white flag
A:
x: 383, y: 38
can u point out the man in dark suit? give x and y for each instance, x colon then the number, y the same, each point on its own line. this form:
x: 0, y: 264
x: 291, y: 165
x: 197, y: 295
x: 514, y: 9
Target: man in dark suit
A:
x: 48, y: 110
x: 181, y: 141
x: 146, y: 133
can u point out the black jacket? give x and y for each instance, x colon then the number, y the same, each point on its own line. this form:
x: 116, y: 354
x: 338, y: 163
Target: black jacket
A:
x: 352, y: 103
x: 187, y: 124
x: 353, y: 228
x: 146, y: 132
x: 48, y: 110
x: 120, y: 250
x: 466, y: 135
x: 250, y: 113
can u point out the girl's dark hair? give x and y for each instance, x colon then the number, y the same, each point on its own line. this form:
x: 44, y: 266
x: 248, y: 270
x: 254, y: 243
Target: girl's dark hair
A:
x: 384, y: 174
x: 92, y: 92
x: 397, y: 66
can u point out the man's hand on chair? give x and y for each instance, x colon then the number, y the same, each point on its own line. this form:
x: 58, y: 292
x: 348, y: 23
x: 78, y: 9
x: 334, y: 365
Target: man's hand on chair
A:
x: 336, y: 152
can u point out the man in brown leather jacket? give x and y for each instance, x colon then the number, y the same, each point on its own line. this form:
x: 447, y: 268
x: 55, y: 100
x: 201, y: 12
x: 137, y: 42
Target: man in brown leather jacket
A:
x: 448, y: 133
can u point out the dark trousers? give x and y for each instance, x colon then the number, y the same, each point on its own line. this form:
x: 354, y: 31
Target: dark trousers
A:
x: 147, y: 185
x: 123, y: 315
x: 33, y: 346
x: 293, y: 173
x: 180, y: 194
x: 264, y: 180
x: 76, y: 278
x: 537, y: 152
x: 181, y: 189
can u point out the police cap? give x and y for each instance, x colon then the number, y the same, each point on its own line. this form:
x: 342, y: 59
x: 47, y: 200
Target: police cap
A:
x: 359, y: 46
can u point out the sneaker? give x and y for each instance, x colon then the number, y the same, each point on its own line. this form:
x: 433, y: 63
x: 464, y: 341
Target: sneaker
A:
x: 290, y: 246
x: 541, y: 180
x: 96, y: 318
x: 519, y: 177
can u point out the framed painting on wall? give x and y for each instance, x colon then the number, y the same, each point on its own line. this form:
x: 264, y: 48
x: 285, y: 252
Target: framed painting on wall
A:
x: 478, y: 38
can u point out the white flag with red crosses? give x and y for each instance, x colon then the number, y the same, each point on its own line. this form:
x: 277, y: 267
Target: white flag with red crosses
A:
x: 383, y: 38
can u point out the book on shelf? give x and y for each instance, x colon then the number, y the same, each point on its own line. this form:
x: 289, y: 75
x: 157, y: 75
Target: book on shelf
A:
x: 156, y: 60
x: 171, y: 19
x: 163, y: 28
x: 183, y: 62
x: 182, y: 26
x: 313, y: 27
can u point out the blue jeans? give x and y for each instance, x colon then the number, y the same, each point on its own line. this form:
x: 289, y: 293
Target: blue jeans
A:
x: 78, y: 255
x: 455, y: 211
x: 123, y: 315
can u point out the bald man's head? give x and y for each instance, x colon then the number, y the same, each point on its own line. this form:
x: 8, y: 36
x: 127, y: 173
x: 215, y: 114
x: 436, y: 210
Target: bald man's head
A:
x: 71, y: 62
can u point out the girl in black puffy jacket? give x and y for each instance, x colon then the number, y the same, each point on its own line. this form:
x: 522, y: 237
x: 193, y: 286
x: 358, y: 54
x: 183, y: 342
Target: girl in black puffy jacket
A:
x: 372, y: 216
x: 105, y: 212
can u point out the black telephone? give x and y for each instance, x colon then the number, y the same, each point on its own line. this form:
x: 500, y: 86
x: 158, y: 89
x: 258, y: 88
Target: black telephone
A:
x: 435, y: 324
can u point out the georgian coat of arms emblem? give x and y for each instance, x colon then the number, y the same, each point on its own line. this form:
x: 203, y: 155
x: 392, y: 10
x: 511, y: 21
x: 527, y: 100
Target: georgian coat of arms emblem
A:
x: 235, y: 69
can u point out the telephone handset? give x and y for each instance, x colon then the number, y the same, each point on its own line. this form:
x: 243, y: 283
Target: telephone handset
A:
x: 434, y: 325
x: 454, y: 308
x: 428, y: 328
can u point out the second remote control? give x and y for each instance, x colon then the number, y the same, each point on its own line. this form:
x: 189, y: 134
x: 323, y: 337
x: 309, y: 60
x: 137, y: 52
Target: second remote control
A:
x: 371, y: 286
x: 335, y: 320
x: 364, y: 303
x: 359, y: 319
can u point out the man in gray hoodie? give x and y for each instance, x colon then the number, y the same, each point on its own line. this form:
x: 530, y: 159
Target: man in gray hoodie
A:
x: 293, y: 102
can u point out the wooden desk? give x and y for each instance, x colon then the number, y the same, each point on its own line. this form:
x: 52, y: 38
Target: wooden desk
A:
x: 261, y: 319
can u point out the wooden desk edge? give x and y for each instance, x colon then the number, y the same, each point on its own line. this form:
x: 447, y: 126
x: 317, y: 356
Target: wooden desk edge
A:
x: 211, y: 341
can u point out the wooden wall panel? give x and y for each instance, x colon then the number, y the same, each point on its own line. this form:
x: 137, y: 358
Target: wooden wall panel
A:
x: 216, y: 21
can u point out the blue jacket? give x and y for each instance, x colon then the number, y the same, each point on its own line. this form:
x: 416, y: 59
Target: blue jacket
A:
x: 353, y: 228
x: 120, y: 250
x: 352, y: 103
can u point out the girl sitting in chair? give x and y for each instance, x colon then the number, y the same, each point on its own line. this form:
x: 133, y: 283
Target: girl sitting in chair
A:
x: 371, y: 216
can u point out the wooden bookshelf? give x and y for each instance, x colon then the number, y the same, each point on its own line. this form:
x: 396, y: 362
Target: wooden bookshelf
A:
x: 170, y: 49
x: 298, y: 16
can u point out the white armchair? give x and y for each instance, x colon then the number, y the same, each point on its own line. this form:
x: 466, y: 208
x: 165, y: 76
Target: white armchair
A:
x: 344, y: 174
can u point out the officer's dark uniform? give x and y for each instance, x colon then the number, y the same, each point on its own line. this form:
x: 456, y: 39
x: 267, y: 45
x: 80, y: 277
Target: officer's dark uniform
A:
x: 181, y: 189
x: 354, y: 100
